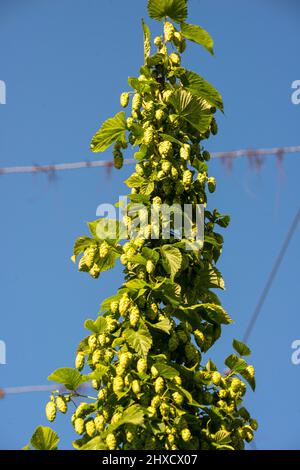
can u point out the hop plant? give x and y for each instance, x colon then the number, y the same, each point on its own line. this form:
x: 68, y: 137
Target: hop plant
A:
x: 144, y: 351
x: 165, y: 149
x: 111, y: 441
x: 79, y: 425
x: 61, y: 404
x: 169, y: 31
x: 51, y: 411
x: 124, y: 100
x: 79, y: 361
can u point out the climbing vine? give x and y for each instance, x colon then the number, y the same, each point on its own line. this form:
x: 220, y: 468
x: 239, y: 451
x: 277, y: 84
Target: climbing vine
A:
x: 144, y: 354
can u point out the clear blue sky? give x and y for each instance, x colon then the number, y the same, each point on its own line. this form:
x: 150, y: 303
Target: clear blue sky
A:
x: 65, y: 63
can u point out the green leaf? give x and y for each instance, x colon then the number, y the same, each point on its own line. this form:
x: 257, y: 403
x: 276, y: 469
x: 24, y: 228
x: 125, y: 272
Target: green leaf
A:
x: 148, y: 253
x: 235, y: 363
x: 133, y: 415
x: 191, y: 109
x: 147, y: 41
x: 134, y: 181
x: 239, y: 365
x: 167, y: 372
x: 44, y: 438
x: 199, y: 35
x: 222, y: 437
x: 112, y: 130
x: 211, y: 278
x: 147, y: 188
x: 97, y: 327
x: 171, y: 259
x: 215, y: 313
x: 93, y: 444
x: 136, y: 284
x: 81, y: 244
x: 202, y: 89
x: 174, y: 9
x: 140, y: 340
x: 163, y: 325
x: 210, y: 312
x: 170, y: 138
x: 241, y: 348
x: 71, y: 378
x: 139, y: 86
x: 109, y: 261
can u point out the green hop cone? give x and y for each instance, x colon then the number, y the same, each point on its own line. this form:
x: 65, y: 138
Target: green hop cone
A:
x: 136, y: 102
x: 50, y: 411
x: 166, y: 166
x: 79, y: 361
x: 111, y: 441
x: 61, y: 404
x: 142, y: 366
x: 159, y: 115
x: 118, y: 384
x: 156, y: 401
x: 92, y: 342
x: 136, y: 387
x: 134, y: 317
x: 124, y: 304
x: 89, y: 256
x: 118, y: 162
x: 104, y: 249
x: 235, y: 384
x: 79, y: 425
x: 90, y: 428
x: 175, y: 59
x: 211, y: 183
x: 129, y: 122
x: 165, y: 149
x: 150, y: 266
x: 179, y: 42
x: 148, y: 136
x: 95, y: 271
x: 114, y: 306
x: 96, y: 357
x: 187, y: 178
x: 186, y: 435
x: 159, y: 385
x: 116, y: 418
x: 169, y: 31
x: 99, y: 423
x: 157, y: 41
x: 178, y: 398
x: 124, y: 100
x: 216, y: 378
x: 102, y: 395
x: 164, y: 410
x: 185, y: 151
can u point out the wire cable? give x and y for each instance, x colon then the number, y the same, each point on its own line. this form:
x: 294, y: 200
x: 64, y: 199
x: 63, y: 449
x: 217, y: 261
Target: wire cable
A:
x: 250, y: 153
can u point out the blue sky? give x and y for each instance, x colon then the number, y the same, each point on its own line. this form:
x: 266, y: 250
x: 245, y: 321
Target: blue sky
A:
x: 64, y: 64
